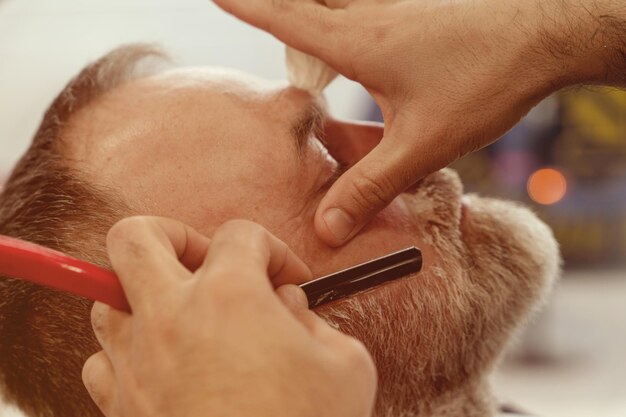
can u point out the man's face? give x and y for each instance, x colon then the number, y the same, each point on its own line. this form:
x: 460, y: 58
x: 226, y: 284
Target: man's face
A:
x: 206, y: 146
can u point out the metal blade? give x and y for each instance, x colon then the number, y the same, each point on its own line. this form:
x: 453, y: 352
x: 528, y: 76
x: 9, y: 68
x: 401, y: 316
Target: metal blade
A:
x: 363, y: 277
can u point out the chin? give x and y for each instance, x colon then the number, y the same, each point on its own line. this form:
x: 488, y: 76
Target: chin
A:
x: 436, y: 337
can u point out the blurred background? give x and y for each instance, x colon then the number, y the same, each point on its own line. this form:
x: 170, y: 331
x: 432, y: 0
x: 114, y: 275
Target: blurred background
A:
x: 567, y: 160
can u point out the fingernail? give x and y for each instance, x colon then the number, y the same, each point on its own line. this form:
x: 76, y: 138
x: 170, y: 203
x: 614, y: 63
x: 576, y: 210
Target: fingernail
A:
x: 339, y: 223
x: 299, y: 296
x: 291, y: 293
x: 293, y: 297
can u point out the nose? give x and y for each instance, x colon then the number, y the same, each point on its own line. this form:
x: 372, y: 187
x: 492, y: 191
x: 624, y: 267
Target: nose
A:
x: 348, y: 142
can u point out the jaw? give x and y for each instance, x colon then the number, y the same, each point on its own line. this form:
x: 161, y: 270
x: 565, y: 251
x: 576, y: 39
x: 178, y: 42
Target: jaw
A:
x: 521, y: 251
x: 437, y: 336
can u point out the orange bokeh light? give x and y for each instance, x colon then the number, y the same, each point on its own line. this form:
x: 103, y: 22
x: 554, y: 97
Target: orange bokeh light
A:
x: 547, y: 186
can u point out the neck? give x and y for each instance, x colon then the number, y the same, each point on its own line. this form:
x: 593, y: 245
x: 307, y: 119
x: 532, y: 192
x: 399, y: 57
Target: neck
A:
x: 472, y: 399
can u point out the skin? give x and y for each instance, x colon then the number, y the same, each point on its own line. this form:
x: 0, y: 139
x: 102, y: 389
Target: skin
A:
x: 188, y: 143
x: 205, y: 146
x: 269, y: 344
x: 449, y: 76
x: 171, y: 133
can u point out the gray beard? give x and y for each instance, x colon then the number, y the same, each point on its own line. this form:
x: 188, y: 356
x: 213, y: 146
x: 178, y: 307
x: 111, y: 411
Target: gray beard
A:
x: 436, y: 336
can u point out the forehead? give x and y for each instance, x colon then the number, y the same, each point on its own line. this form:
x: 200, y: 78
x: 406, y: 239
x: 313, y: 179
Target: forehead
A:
x: 204, y: 128
x: 194, y: 95
x: 188, y: 91
x: 184, y: 106
x: 213, y: 79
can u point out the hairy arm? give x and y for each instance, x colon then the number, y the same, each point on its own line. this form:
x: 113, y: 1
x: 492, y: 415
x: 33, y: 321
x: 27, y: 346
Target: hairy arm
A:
x: 584, y: 41
x: 449, y: 76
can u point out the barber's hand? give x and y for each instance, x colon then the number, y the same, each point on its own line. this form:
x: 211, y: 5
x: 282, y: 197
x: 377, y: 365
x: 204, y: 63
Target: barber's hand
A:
x: 449, y: 76
x: 209, y: 336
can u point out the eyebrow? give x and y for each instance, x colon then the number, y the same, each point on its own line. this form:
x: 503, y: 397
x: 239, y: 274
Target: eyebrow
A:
x: 311, y: 120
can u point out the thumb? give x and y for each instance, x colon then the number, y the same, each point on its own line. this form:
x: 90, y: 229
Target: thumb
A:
x: 400, y: 160
x: 294, y: 298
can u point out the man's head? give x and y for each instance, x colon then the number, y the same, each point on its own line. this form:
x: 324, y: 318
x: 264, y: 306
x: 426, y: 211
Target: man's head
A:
x: 205, y: 146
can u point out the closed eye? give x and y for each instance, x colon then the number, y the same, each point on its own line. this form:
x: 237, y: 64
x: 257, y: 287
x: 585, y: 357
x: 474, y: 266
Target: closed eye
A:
x: 310, y: 122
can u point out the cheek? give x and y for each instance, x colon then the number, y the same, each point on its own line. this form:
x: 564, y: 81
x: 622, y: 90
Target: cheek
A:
x: 389, y: 232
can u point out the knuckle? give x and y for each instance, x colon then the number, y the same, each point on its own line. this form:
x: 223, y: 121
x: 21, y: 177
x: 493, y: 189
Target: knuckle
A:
x: 280, y: 5
x: 241, y: 233
x: 219, y: 273
x: 88, y: 372
x: 372, y: 191
x: 237, y: 226
x: 224, y: 275
x: 230, y: 283
x: 356, y: 355
x: 98, y: 319
x: 92, y: 375
x: 127, y: 229
x: 320, y: 17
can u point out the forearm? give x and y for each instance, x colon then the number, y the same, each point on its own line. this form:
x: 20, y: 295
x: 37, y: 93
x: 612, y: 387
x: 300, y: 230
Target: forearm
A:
x: 584, y: 41
x: 614, y: 21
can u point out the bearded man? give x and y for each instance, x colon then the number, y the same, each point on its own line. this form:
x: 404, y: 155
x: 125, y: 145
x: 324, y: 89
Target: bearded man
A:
x: 207, y: 145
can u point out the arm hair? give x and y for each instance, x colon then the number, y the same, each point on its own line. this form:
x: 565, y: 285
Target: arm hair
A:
x: 587, y: 38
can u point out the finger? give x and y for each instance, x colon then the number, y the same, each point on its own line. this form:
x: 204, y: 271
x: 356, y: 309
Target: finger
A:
x: 150, y: 253
x: 99, y: 379
x: 349, y: 142
x: 144, y: 259
x: 242, y: 249
x: 294, y: 298
x: 370, y: 185
x: 306, y: 25
x: 111, y: 328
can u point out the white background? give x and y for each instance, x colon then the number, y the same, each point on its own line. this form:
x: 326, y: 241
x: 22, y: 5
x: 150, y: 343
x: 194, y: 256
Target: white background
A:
x: 43, y: 43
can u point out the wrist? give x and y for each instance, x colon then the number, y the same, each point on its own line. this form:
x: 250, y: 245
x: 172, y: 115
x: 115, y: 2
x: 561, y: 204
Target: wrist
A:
x: 579, y: 41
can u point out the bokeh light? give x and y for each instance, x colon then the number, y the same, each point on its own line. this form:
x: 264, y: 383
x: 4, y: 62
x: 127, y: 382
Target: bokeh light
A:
x: 547, y: 186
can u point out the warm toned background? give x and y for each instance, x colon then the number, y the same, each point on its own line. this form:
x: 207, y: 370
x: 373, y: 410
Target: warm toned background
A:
x: 572, y: 363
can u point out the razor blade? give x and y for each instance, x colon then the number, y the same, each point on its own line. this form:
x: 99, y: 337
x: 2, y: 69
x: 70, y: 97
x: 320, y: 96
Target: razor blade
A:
x: 363, y: 277
x: 43, y: 266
